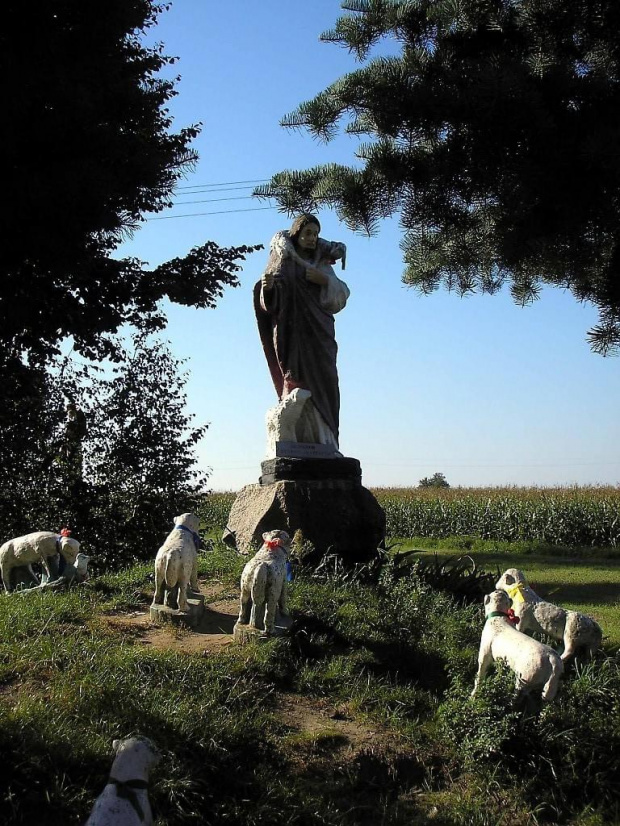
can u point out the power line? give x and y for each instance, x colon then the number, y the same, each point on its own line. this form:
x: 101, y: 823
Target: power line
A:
x: 200, y: 190
x: 225, y: 183
x: 220, y: 212
x: 214, y: 200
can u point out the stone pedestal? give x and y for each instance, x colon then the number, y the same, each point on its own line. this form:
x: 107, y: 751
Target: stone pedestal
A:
x: 162, y: 614
x: 322, y: 498
x: 248, y: 633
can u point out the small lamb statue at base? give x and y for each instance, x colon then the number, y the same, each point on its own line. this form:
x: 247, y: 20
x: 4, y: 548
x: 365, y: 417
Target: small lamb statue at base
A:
x: 537, y: 666
x: 263, y: 583
x: 176, y: 563
x: 577, y: 631
x: 40, y: 547
x: 124, y: 801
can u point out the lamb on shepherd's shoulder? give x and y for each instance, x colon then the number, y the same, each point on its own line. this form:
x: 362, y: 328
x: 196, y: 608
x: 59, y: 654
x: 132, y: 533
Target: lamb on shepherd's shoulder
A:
x: 537, y: 667
x: 578, y: 632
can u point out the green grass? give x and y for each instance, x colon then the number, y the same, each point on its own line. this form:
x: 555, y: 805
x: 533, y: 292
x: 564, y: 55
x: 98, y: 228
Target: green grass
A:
x: 586, y: 583
x: 394, y: 656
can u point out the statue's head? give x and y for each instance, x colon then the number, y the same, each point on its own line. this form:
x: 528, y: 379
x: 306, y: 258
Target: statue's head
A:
x: 304, y: 231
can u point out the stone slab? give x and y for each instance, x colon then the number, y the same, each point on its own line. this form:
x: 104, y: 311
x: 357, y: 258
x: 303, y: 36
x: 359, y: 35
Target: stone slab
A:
x: 331, y: 516
x: 317, y: 469
x: 248, y: 633
x: 162, y: 614
x: 305, y: 450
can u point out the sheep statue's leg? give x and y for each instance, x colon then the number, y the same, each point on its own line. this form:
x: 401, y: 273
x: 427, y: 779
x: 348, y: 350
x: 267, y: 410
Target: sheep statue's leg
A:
x: 270, y: 613
x: 550, y: 689
x: 182, y: 596
x: 193, y: 582
x: 484, y: 663
x: 283, y: 601
x: 50, y: 566
x: 245, y: 606
x: 257, y: 591
x: 160, y: 586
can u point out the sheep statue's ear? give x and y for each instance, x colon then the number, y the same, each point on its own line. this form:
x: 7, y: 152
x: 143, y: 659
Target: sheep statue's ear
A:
x: 116, y: 744
x: 487, y: 598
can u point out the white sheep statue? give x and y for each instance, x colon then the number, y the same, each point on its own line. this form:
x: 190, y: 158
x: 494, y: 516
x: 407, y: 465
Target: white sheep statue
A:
x: 576, y: 631
x: 537, y: 667
x: 263, y: 583
x: 176, y: 563
x: 40, y: 547
x: 124, y: 800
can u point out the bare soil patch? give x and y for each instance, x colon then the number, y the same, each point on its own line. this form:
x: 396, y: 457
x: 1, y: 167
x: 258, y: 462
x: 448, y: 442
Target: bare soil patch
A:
x: 320, y: 721
x: 212, y: 635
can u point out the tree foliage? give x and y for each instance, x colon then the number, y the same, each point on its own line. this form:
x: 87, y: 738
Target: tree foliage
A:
x: 437, y: 480
x: 493, y: 132
x: 134, y: 469
x: 89, y: 150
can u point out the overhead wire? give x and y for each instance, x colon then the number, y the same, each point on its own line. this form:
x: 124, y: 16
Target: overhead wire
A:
x: 197, y: 214
x: 207, y: 189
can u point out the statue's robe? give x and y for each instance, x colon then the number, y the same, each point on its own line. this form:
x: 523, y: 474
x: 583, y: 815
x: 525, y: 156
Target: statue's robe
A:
x: 296, y: 326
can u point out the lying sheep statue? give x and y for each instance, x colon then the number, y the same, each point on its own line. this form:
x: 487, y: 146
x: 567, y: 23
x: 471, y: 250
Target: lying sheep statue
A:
x: 263, y: 583
x: 41, y: 547
x: 577, y: 631
x: 124, y: 800
x: 71, y: 575
x: 537, y: 666
x: 176, y: 563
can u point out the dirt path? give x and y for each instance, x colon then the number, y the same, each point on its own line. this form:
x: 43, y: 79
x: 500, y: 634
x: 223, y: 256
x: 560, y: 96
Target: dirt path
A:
x: 316, y: 721
x: 212, y: 635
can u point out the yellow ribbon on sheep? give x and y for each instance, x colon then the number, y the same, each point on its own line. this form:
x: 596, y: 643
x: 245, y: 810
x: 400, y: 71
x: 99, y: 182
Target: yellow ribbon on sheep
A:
x: 515, y: 592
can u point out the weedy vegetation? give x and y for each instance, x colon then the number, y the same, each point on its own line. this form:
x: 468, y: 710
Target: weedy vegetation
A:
x: 391, y: 651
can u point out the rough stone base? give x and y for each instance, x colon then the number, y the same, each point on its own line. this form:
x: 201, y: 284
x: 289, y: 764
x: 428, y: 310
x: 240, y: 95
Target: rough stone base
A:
x: 162, y: 614
x: 248, y: 633
x: 334, y: 516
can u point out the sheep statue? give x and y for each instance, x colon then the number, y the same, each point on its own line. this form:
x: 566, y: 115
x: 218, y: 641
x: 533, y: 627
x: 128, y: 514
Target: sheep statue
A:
x: 578, y: 632
x: 176, y: 564
x: 40, y: 547
x: 263, y: 586
x: 537, y: 666
x: 124, y: 800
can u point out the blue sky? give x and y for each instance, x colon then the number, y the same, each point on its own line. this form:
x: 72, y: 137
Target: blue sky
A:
x: 479, y: 389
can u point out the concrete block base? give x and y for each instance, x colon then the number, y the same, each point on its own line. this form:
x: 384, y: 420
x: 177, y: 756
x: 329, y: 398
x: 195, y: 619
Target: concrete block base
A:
x: 248, y: 633
x: 162, y: 614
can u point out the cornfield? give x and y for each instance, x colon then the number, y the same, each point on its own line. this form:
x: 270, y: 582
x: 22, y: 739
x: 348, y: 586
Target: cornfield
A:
x: 571, y: 516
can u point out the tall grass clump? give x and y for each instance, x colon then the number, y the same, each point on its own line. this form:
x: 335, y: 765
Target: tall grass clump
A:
x: 572, y: 516
x: 566, y: 759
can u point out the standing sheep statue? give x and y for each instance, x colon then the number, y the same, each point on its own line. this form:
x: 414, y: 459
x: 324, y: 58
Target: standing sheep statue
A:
x: 263, y: 585
x: 176, y: 564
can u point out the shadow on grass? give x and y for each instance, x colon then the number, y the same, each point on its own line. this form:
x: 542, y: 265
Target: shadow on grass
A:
x: 591, y: 593
x: 404, y: 663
